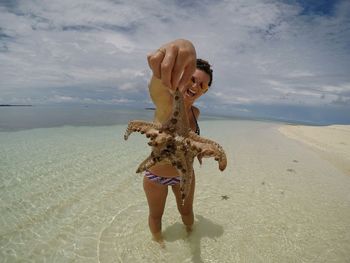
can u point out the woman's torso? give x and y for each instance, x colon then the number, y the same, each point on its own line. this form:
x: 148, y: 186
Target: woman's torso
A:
x: 167, y: 170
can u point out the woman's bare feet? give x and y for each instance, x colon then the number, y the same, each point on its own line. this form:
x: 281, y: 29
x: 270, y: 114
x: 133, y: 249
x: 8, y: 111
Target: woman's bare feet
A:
x: 159, y: 239
x: 189, y: 229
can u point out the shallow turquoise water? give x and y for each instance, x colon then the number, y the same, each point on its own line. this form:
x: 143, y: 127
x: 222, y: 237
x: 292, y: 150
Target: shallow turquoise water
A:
x: 53, y: 185
x: 70, y: 194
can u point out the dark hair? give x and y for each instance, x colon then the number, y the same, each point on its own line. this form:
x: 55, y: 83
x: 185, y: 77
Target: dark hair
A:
x: 205, y: 66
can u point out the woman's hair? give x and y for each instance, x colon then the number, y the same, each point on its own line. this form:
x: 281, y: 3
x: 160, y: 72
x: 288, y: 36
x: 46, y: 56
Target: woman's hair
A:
x: 205, y: 66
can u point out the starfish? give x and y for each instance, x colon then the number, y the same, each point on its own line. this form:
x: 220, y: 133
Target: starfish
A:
x: 224, y: 197
x: 175, y: 143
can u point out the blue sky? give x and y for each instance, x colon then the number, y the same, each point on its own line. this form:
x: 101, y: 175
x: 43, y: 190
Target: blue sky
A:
x: 281, y: 59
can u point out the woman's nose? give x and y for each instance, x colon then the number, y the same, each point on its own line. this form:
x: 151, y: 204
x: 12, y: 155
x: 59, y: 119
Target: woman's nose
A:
x: 195, y: 84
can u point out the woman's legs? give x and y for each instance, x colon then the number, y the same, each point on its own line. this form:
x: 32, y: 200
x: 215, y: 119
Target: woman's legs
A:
x: 185, y: 210
x: 156, y: 196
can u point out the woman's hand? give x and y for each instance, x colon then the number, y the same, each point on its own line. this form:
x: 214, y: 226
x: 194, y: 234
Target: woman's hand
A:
x: 173, y: 63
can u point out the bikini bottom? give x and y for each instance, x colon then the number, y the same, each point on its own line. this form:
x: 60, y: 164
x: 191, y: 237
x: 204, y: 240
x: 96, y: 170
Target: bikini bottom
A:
x: 162, y: 180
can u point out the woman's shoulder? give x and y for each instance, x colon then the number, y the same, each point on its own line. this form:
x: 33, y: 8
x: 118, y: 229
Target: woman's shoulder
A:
x: 196, y: 111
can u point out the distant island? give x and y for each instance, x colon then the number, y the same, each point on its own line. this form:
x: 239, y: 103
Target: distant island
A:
x: 150, y: 108
x: 16, y: 105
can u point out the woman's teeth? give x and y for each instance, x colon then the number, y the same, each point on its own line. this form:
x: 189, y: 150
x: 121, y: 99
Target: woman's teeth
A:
x: 191, y: 92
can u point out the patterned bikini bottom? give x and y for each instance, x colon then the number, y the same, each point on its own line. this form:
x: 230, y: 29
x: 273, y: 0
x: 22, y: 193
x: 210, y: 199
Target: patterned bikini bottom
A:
x: 162, y: 180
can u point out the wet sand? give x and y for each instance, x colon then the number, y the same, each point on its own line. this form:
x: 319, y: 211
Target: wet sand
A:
x: 331, y: 142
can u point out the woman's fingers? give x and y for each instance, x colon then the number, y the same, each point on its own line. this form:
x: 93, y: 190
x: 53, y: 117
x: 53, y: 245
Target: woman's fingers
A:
x: 181, y: 68
x: 174, y: 63
x: 187, y: 74
x: 154, y: 61
x: 167, y: 65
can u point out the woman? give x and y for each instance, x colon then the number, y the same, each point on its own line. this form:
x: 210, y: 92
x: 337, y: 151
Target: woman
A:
x: 173, y: 65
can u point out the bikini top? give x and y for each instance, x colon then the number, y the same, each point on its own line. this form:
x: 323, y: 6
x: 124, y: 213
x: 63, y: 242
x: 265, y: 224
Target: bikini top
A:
x: 197, y: 126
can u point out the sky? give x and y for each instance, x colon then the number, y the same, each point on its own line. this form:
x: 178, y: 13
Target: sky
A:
x: 282, y: 59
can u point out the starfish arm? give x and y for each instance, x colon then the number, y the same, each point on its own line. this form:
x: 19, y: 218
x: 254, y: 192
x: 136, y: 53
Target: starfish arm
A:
x: 196, y: 137
x: 142, y: 127
x: 151, y: 160
x: 154, y: 158
x: 209, y: 148
x: 178, y: 121
x: 146, y: 164
x: 184, y: 167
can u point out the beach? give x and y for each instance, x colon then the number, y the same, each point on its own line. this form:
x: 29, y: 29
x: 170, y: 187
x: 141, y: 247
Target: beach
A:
x: 331, y: 142
x: 71, y: 194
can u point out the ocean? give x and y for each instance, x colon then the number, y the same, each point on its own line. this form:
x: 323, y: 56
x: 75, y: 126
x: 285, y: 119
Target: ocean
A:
x: 69, y: 193
x: 42, y: 116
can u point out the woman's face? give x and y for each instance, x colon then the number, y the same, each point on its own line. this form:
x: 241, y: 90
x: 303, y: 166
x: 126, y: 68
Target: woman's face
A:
x: 197, y: 86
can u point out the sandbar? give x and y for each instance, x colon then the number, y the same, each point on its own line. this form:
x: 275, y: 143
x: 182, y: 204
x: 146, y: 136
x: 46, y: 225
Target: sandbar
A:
x: 331, y: 142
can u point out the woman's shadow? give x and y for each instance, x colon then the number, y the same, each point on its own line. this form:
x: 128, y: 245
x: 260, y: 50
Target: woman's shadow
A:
x: 203, y: 227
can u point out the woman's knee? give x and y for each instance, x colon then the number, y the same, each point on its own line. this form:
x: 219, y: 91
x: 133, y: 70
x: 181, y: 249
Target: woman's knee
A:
x: 156, y: 217
x: 185, y: 211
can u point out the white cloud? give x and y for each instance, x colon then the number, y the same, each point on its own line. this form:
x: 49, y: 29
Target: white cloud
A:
x: 120, y: 42
x: 298, y: 74
x: 262, y: 51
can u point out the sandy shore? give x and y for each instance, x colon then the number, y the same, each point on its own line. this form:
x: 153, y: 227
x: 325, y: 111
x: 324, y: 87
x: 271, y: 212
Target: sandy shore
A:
x: 331, y: 142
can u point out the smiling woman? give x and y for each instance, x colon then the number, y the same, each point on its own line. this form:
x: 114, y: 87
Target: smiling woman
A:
x: 202, y: 73
x: 198, y: 85
x: 174, y: 66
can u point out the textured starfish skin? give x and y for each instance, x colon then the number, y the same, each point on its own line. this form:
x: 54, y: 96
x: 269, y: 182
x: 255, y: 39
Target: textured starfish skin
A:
x: 174, y: 142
